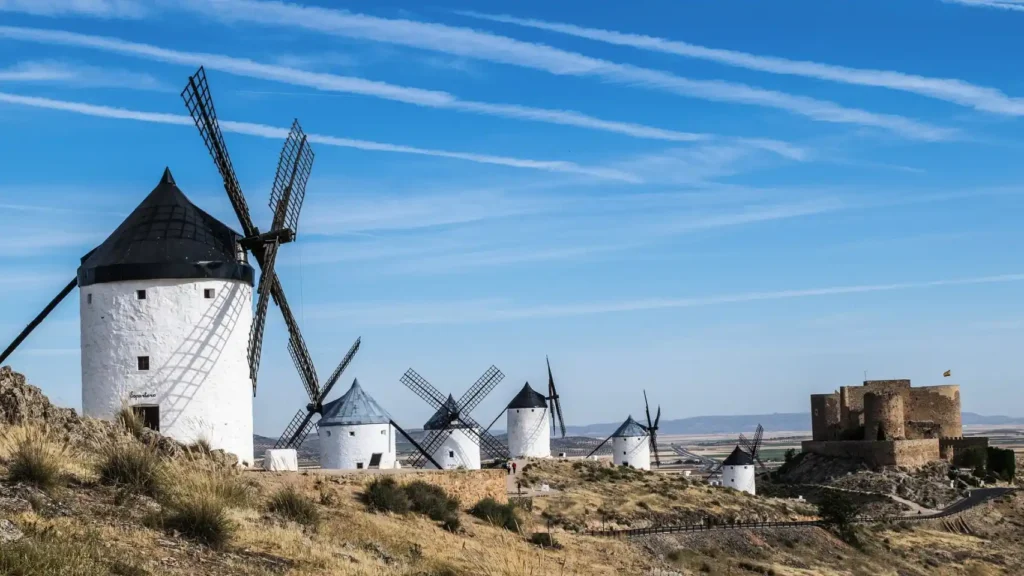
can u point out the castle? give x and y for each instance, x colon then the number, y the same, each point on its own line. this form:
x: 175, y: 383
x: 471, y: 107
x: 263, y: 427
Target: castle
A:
x: 888, y: 423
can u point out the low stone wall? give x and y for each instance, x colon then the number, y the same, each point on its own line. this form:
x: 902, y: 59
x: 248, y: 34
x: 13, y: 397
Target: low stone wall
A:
x: 909, y: 453
x: 468, y: 486
x: 950, y: 447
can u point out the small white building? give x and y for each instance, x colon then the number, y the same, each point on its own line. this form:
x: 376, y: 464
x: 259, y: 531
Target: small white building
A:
x: 356, y: 433
x: 461, y: 449
x: 166, y: 310
x: 631, y: 445
x: 529, y: 435
x: 738, y: 471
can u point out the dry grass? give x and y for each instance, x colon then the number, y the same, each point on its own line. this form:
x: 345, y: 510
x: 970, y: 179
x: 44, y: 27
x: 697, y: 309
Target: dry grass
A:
x: 33, y: 456
x: 133, y: 467
x: 131, y: 420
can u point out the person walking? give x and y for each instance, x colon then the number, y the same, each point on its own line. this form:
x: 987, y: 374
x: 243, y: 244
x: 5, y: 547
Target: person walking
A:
x: 508, y: 467
x: 513, y: 467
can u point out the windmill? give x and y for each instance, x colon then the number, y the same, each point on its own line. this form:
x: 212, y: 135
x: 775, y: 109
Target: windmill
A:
x: 300, y: 425
x: 286, y: 197
x: 452, y: 426
x: 738, y: 469
x: 633, y: 443
x: 554, y: 405
x: 753, y: 447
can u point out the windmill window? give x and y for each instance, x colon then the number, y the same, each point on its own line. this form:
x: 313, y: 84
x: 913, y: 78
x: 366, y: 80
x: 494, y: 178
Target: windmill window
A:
x: 140, y: 294
x: 359, y: 465
x: 208, y: 293
x: 88, y: 298
x: 328, y: 433
x: 351, y: 433
x: 143, y: 362
x: 383, y: 432
x: 451, y: 453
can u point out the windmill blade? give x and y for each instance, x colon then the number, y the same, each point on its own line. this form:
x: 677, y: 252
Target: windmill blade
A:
x: 299, y: 352
x: 479, y: 390
x: 657, y: 418
x: 260, y: 320
x: 422, y: 453
x: 200, y: 106
x: 289, y: 187
x: 38, y: 319
x: 337, y: 371
x: 647, y: 408
x: 306, y: 372
x: 199, y: 102
x: 489, y: 426
x: 654, y: 448
x: 758, y: 436
x: 746, y: 444
x: 598, y: 447
x: 708, y: 463
x: 435, y: 438
x: 554, y: 402
x: 296, y: 430
x: 493, y: 447
x: 423, y: 389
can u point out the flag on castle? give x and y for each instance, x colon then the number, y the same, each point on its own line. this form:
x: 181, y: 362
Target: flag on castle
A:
x: 946, y: 373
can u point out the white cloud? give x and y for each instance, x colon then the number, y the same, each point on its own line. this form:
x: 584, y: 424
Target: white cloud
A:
x: 471, y: 43
x: 496, y: 310
x: 264, y: 131
x: 94, y: 8
x: 80, y: 76
x: 1013, y: 5
x: 947, y: 89
x: 348, y: 84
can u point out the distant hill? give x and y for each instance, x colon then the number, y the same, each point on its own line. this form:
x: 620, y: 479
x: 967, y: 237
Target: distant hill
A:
x: 972, y: 419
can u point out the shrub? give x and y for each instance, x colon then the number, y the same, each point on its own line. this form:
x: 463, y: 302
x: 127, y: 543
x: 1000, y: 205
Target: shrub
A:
x: 384, y: 494
x: 492, y: 511
x: 194, y: 479
x: 202, y: 518
x: 430, y: 500
x: 201, y: 446
x: 293, y: 505
x: 132, y: 466
x: 838, y: 511
x: 34, y: 457
x: 45, y: 553
x: 546, y: 540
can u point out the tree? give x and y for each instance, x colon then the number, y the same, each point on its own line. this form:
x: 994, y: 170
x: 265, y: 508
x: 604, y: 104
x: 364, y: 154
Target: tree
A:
x: 838, y: 511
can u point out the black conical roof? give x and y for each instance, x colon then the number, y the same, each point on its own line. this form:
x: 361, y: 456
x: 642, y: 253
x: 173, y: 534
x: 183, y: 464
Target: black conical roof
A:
x: 528, y: 398
x: 738, y: 458
x: 440, y: 419
x: 167, y: 236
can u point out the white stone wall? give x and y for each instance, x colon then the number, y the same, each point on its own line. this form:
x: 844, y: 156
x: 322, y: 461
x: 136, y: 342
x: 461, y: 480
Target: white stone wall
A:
x: 198, y: 357
x: 739, y: 477
x: 529, y: 433
x: 459, y: 449
x: 632, y: 450
x: 344, y: 447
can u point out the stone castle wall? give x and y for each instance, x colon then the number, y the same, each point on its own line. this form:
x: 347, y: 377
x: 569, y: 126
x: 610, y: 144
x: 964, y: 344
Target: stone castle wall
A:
x: 949, y: 448
x: 883, y: 416
x: 825, y: 416
x: 938, y: 404
x: 908, y: 453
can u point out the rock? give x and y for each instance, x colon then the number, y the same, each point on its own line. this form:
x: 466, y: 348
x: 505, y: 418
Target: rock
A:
x: 9, y: 532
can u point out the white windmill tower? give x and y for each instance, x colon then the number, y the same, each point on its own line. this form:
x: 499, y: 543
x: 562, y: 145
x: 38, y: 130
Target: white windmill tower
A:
x: 167, y: 325
x: 454, y: 439
x: 739, y: 469
x: 528, y: 435
x: 356, y: 433
x: 633, y: 443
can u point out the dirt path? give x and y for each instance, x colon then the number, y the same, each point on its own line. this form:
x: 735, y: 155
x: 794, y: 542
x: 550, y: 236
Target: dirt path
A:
x: 512, y: 488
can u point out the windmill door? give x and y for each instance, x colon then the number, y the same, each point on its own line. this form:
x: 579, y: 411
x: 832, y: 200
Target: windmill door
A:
x: 150, y: 416
x: 375, y: 460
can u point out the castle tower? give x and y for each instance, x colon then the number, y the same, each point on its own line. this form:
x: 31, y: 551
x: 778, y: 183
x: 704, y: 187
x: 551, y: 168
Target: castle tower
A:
x: 461, y: 449
x: 166, y: 310
x: 356, y: 433
x: 738, y: 471
x: 630, y: 445
x: 529, y: 435
x: 883, y: 416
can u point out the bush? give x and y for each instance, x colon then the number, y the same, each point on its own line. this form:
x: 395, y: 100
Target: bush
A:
x: 838, y: 511
x: 383, y: 494
x: 293, y: 505
x: 130, y: 420
x: 132, y: 466
x: 546, y: 540
x: 492, y: 511
x: 34, y: 457
x: 188, y: 481
x: 430, y: 500
x: 202, y: 518
x: 46, y: 553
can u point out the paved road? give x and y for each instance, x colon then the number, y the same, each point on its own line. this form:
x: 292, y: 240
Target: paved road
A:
x: 976, y: 497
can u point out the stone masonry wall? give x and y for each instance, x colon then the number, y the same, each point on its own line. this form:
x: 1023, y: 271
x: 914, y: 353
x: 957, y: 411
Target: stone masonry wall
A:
x: 883, y: 416
x: 825, y: 416
x: 950, y: 447
x: 939, y: 404
x: 909, y: 453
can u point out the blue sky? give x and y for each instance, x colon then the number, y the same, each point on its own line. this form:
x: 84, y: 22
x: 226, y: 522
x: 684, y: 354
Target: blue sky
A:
x: 730, y: 204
